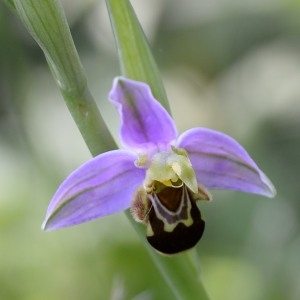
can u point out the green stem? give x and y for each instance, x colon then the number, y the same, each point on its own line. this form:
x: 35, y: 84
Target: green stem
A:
x: 46, y: 22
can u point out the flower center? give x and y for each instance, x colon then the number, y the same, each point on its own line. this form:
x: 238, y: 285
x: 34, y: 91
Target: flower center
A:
x: 167, y: 167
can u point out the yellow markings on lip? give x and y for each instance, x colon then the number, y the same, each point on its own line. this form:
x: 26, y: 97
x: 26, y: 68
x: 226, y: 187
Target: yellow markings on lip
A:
x: 174, y: 222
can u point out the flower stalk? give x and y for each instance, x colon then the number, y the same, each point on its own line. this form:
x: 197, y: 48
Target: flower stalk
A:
x: 46, y: 22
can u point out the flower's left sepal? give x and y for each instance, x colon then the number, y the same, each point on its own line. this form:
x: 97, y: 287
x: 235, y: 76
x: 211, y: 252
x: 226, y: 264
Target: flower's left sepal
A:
x: 102, y: 186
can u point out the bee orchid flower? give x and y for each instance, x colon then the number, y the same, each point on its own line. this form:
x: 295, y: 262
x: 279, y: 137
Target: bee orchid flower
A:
x: 159, y: 174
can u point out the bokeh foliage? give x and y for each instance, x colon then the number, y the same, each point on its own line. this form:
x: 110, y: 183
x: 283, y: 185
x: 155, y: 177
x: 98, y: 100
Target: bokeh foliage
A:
x: 231, y: 66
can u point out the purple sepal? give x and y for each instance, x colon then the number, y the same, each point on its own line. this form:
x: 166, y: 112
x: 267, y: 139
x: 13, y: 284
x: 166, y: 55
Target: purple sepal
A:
x: 222, y: 163
x: 102, y: 186
x: 144, y: 121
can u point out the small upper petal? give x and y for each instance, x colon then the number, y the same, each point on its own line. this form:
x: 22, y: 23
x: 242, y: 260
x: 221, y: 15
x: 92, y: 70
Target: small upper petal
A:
x: 104, y: 185
x: 220, y: 162
x: 144, y: 121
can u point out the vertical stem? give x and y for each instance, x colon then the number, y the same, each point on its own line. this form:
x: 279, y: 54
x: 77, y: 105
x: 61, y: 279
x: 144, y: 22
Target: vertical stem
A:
x: 46, y: 22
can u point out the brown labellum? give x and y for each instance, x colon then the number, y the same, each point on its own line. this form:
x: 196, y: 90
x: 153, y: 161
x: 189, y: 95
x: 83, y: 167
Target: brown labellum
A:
x: 174, y: 222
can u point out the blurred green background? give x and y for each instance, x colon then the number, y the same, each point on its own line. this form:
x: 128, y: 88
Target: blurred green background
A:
x: 230, y: 65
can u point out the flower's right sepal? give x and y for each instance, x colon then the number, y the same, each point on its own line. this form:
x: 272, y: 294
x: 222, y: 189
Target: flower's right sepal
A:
x: 220, y: 162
